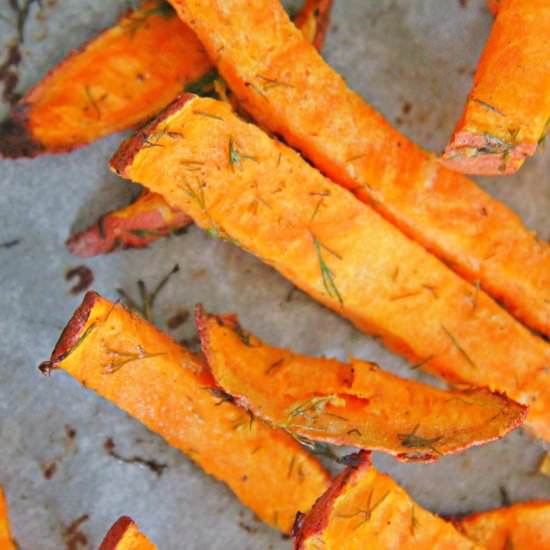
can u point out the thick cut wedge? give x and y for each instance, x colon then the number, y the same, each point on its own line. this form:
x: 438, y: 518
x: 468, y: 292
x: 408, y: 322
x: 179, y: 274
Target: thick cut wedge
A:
x: 508, y: 110
x: 135, y: 226
x: 353, y: 404
x: 125, y: 535
x: 367, y: 509
x: 149, y: 217
x: 265, y: 197
x: 285, y: 84
x: 6, y: 542
x: 144, y: 372
x: 523, y: 526
x: 119, y: 79
x: 113, y: 82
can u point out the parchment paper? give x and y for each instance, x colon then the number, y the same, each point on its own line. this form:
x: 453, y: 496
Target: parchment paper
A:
x: 411, y: 60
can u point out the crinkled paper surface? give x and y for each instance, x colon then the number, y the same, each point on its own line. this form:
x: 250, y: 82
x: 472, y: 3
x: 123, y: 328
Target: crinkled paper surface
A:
x: 411, y: 60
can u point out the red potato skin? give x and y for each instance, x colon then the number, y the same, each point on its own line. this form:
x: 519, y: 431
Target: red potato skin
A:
x: 136, y: 226
x: 493, y: 5
x: 316, y: 521
x: 116, y: 532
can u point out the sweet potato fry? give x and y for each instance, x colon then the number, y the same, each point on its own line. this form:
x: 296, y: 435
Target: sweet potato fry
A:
x: 149, y: 217
x: 367, y: 509
x: 118, y: 80
x: 264, y: 196
x: 356, y: 404
x: 145, y: 373
x: 6, y: 542
x: 135, y: 226
x: 521, y: 526
x: 283, y: 82
x: 111, y: 83
x: 125, y: 535
x: 508, y: 110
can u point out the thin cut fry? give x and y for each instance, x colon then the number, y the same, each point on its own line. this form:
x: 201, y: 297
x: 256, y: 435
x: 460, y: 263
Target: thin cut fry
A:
x: 283, y: 82
x: 263, y: 196
x: 125, y: 535
x: 6, y: 542
x: 367, y: 509
x: 144, y: 372
x: 508, y: 110
x: 523, y: 526
x: 149, y: 217
x: 113, y: 82
x: 135, y: 226
x: 356, y: 404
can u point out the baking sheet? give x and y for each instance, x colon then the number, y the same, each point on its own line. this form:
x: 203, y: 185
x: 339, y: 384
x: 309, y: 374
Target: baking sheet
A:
x: 411, y: 60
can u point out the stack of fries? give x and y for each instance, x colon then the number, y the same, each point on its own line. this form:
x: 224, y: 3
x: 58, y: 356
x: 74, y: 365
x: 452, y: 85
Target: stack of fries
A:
x: 387, y: 235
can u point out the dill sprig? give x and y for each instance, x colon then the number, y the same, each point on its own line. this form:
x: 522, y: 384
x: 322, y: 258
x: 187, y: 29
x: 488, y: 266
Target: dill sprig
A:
x: 412, y: 440
x: 235, y: 156
x: 366, y: 512
x: 488, y: 106
x: 93, y: 102
x: 126, y: 357
x: 146, y: 307
x: 327, y: 274
x: 459, y: 347
x: 422, y: 363
x: 270, y: 83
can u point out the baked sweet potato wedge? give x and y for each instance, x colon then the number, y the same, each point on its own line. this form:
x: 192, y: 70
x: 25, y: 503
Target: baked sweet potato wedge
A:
x: 508, y: 110
x: 521, y: 526
x: 149, y: 217
x: 144, y: 372
x: 287, y: 87
x: 6, y: 542
x: 143, y: 221
x: 113, y: 82
x: 354, y: 404
x: 118, y: 80
x: 263, y: 196
x: 544, y: 465
x: 125, y: 535
x: 367, y: 509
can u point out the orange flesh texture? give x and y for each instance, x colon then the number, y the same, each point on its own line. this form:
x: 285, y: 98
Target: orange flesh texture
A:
x: 284, y: 83
x: 367, y: 509
x: 145, y: 373
x: 508, y: 110
x: 137, y: 225
x: 125, y: 535
x: 149, y: 217
x: 520, y: 526
x: 119, y: 79
x: 6, y: 542
x: 358, y: 405
x: 337, y: 249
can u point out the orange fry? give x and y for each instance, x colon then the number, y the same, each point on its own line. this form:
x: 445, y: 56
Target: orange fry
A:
x: 356, y: 404
x: 523, y: 526
x: 508, y: 110
x: 144, y: 372
x: 367, y: 509
x: 6, y: 542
